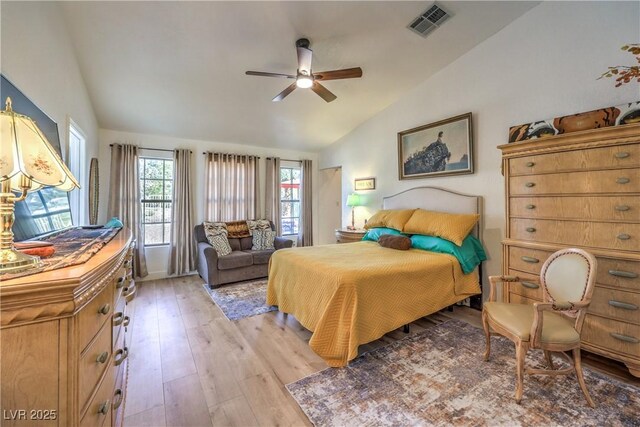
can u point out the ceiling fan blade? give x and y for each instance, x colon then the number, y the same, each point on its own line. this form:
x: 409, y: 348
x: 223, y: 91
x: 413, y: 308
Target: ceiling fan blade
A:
x: 347, y: 73
x: 323, y: 92
x: 264, y: 74
x: 304, y: 60
x: 284, y: 93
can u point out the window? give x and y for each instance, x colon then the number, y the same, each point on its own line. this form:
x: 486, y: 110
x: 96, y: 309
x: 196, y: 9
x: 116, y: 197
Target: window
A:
x: 47, y: 210
x: 290, y: 199
x: 76, y: 165
x: 156, y: 192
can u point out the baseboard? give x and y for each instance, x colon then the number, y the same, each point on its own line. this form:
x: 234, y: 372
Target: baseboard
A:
x: 158, y: 275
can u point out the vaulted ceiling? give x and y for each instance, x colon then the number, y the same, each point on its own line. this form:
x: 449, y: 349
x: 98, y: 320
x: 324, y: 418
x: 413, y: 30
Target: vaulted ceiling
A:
x: 177, y: 68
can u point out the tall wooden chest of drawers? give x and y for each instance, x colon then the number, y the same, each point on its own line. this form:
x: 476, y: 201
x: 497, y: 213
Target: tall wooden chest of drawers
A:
x: 63, y: 342
x: 580, y: 190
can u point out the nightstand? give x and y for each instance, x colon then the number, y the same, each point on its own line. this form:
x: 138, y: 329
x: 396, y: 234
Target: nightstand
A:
x: 349, y: 236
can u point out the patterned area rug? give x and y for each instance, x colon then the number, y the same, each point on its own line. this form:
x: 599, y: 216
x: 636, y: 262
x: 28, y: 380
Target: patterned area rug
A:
x: 241, y: 300
x: 438, y: 377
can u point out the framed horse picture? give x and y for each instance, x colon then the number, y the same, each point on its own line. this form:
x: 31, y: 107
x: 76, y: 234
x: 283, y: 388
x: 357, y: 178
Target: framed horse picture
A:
x: 437, y: 149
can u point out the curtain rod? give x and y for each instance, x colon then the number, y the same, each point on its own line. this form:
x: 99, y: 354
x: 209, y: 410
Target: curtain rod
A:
x: 250, y: 155
x: 154, y: 149
x: 286, y: 160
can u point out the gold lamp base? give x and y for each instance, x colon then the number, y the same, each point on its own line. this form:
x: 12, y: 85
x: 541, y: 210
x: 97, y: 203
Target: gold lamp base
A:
x: 12, y: 261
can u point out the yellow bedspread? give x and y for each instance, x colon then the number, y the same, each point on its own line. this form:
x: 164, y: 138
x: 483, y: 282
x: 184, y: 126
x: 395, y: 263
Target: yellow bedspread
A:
x: 352, y: 294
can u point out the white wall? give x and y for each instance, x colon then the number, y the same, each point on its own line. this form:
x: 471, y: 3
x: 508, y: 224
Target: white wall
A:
x: 157, y: 257
x: 544, y: 64
x: 37, y: 56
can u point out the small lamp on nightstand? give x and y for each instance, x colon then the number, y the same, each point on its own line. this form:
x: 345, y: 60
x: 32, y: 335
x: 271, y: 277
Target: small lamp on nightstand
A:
x: 28, y: 162
x: 353, y: 200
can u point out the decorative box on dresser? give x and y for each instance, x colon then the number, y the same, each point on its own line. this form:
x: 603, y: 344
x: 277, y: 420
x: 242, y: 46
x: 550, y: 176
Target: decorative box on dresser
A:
x: 63, y: 341
x: 580, y: 190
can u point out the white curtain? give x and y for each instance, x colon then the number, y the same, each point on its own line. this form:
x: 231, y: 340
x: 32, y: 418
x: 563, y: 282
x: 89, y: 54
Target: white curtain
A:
x: 273, y: 208
x: 305, y: 231
x: 182, y: 256
x: 231, y: 187
x: 124, y: 198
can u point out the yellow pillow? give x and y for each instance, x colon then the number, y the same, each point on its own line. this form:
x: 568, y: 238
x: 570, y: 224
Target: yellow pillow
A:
x: 452, y: 227
x: 390, y: 218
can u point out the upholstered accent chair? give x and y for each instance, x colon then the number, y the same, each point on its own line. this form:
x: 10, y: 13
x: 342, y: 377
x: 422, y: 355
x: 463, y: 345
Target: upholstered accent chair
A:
x: 567, y: 279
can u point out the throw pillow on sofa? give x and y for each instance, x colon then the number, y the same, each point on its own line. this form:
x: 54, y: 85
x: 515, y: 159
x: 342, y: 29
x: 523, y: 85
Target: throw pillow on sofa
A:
x: 221, y: 244
x: 263, y: 240
x: 214, y: 228
x: 238, y: 229
x: 258, y: 224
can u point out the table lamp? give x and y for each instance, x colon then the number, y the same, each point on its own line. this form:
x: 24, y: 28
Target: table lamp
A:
x: 28, y: 162
x: 353, y: 200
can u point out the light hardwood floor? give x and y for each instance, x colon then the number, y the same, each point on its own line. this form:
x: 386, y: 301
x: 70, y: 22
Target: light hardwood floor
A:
x: 190, y: 366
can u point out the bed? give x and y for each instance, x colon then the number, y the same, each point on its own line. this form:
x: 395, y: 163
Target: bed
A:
x: 352, y: 294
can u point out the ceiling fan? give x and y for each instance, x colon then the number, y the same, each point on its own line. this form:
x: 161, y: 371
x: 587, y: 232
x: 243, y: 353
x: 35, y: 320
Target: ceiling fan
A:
x: 305, y: 78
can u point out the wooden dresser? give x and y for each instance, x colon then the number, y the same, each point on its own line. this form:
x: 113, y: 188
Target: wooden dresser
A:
x: 63, y: 342
x: 580, y: 190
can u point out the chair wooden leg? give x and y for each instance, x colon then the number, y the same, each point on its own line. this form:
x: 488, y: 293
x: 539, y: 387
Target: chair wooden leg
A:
x: 487, y: 334
x: 547, y: 356
x: 577, y: 364
x: 521, y: 352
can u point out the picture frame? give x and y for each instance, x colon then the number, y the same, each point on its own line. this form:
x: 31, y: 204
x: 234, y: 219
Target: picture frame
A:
x: 364, y: 184
x: 441, y: 148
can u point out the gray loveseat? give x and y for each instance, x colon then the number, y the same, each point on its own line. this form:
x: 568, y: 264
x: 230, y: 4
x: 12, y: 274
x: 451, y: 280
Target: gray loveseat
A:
x: 241, y: 264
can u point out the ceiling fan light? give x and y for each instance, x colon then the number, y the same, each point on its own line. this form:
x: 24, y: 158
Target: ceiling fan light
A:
x: 304, y: 82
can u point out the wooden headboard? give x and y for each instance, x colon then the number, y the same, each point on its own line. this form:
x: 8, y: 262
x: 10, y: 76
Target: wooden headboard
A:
x: 437, y: 199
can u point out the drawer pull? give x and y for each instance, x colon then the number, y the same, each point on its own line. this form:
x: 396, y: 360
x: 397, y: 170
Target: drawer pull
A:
x: 531, y: 206
x: 530, y: 164
x: 530, y: 260
x: 623, y: 305
x: 102, y: 357
x: 530, y: 285
x: 623, y: 180
x: 531, y: 229
x: 622, y: 155
x: 622, y: 273
x: 623, y: 236
x: 126, y: 264
x: 104, y: 309
x: 625, y: 338
x: 120, y: 355
x: 118, y: 318
x: 530, y: 184
x: 120, y: 283
x: 117, y: 398
x: 104, y: 408
x: 128, y: 293
x: 622, y: 208
x: 127, y: 319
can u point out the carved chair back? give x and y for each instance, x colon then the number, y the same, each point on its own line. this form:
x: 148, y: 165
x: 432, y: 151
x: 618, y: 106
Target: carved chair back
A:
x: 569, y: 276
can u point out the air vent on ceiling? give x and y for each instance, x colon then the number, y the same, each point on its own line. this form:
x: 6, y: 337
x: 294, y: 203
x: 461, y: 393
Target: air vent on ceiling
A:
x: 431, y: 19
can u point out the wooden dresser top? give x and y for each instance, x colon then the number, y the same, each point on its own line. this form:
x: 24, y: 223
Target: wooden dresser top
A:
x: 63, y: 291
x: 569, y: 141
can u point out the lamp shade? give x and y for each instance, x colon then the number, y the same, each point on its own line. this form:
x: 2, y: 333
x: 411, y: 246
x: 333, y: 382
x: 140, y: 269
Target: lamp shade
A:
x: 27, y: 159
x: 353, y: 200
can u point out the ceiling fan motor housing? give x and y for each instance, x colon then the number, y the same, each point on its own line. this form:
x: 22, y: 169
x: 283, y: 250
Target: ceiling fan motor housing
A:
x: 305, y: 43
